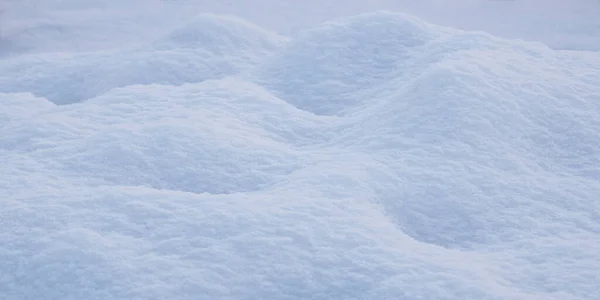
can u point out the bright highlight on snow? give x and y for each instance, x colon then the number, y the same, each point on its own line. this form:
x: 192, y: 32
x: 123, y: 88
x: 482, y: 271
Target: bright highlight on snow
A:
x: 370, y: 157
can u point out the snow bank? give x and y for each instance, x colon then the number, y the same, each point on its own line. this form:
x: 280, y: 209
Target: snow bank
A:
x: 375, y: 157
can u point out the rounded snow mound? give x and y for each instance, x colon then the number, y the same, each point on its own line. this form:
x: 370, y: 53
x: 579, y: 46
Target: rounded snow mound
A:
x: 219, y: 34
x: 487, y: 141
x: 193, y: 138
x: 322, y: 69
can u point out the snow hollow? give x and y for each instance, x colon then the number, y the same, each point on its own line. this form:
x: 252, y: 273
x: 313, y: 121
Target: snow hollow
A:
x: 370, y: 157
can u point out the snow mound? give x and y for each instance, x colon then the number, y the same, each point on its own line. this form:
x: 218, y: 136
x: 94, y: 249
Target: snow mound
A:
x: 517, y: 139
x: 166, y: 138
x: 219, y: 34
x: 191, y: 54
x: 374, y: 157
x: 324, y: 68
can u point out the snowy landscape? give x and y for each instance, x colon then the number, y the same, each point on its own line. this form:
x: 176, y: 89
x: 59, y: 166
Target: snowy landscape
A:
x: 299, y: 149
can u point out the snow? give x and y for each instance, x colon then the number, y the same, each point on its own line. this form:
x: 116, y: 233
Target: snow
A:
x: 376, y: 156
x: 64, y: 26
x: 206, y: 47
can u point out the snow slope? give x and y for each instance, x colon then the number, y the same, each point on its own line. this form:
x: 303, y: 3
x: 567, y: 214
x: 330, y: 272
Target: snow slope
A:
x: 371, y: 157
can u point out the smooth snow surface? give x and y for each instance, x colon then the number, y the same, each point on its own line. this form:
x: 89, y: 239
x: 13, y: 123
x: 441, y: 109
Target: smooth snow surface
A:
x: 370, y: 157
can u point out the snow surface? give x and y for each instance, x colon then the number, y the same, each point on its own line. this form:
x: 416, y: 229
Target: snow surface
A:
x: 80, y: 25
x: 370, y: 157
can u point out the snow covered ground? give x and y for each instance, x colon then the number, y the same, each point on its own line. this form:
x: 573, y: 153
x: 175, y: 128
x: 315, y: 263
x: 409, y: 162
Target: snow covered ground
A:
x: 170, y: 153
x: 82, y: 25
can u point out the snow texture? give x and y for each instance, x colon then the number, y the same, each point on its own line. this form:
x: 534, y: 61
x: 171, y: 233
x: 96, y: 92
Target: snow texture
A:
x: 33, y: 26
x: 370, y: 157
x: 208, y: 47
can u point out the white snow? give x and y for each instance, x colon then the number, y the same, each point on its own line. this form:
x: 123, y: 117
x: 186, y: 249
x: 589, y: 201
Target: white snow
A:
x: 207, y: 47
x: 78, y: 25
x: 376, y: 156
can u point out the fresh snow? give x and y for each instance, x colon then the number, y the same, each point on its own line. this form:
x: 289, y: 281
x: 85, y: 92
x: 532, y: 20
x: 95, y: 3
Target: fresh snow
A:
x: 32, y: 26
x: 374, y: 156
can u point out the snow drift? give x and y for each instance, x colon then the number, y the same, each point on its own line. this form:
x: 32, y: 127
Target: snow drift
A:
x: 374, y: 157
